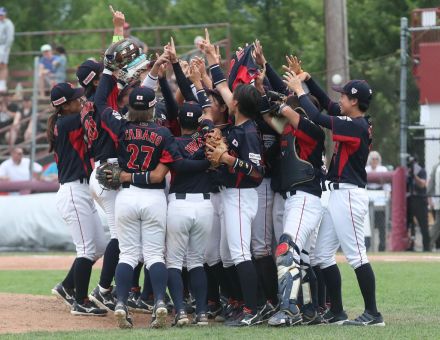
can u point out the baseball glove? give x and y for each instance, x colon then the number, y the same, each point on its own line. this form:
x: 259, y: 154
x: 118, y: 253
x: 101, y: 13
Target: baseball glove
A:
x: 218, y: 146
x: 108, y: 174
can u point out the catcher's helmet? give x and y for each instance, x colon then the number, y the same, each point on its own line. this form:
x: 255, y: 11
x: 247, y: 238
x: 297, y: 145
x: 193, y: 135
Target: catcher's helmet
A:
x: 122, y: 53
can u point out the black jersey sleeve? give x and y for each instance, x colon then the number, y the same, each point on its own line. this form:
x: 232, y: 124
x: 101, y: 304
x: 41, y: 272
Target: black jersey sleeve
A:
x: 183, y: 83
x: 314, y: 114
x: 113, y: 123
x: 313, y: 131
x: 170, y: 152
x: 170, y: 102
x: 275, y: 80
x: 326, y: 103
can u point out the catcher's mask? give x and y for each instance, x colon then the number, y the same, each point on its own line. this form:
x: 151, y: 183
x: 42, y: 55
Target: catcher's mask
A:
x: 123, y: 52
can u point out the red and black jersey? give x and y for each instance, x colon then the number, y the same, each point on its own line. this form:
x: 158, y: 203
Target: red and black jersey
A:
x: 140, y: 146
x: 244, y: 143
x: 100, y: 142
x: 70, y: 149
x: 309, y: 147
x: 353, y: 141
x: 191, y: 148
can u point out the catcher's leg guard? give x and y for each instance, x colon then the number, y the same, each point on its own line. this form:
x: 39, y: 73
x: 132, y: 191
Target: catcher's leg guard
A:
x: 309, y: 313
x: 289, y: 278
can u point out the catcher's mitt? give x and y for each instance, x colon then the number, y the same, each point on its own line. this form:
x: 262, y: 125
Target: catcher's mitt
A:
x: 218, y: 146
x: 108, y: 174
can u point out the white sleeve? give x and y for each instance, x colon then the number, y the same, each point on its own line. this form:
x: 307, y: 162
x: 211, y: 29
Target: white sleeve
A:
x: 150, y: 82
x: 3, y: 169
x: 37, y: 168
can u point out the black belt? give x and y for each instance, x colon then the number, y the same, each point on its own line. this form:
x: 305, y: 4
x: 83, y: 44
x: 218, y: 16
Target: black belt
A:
x: 287, y: 194
x: 84, y: 180
x: 180, y: 196
x: 125, y: 185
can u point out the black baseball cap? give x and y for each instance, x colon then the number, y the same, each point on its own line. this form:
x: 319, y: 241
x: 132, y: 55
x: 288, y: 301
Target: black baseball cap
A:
x: 356, y: 88
x: 142, y: 98
x: 87, y: 71
x: 190, y: 112
x: 64, y: 92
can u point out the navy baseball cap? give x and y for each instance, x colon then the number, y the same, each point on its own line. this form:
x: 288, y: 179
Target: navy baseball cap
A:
x: 64, y: 92
x: 356, y: 88
x: 142, y: 98
x: 87, y: 71
x: 190, y: 112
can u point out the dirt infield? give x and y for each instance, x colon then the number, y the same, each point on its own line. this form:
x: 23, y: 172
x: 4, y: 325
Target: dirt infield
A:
x: 61, y: 262
x: 51, y: 315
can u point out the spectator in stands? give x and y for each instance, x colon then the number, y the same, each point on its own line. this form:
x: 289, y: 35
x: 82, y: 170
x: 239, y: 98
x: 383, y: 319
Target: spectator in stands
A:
x: 17, y: 167
x: 6, y: 40
x: 60, y: 65
x: 434, y: 203
x: 417, y: 202
x: 127, y: 34
x: 50, y: 172
x: 197, y: 51
x: 374, y: 164
x: 47, y: 69
x: 15, y: 114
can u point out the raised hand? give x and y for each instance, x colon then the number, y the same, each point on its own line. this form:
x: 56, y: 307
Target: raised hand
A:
x: 171, y: 49
x: 194, y: 74
x: 259, y: 80
x: 200, y: 64
x: 118, y: 18
x: 294, y: 64
x: 293, y: 82
x: 258, y: 52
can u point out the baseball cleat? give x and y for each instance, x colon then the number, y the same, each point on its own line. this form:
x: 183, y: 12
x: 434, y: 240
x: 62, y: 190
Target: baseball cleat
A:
x: 247, y: 318
x: 133, y: 296
x: 366, y: 319
x: 284, y: 318
x: 181, y: 319
x: 310, y: 315
x: 64, y: 294
x: 335, y: 319
x: 145, y: 307
x: 87, y: 308
x: 103, y: 300
x: 214, y: 310
x: 159, y: 317
x: 123, y: 316
x: 201, y: 319
x: 267, y: 311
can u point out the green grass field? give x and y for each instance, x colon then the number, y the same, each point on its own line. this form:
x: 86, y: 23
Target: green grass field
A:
x: 408, y: 296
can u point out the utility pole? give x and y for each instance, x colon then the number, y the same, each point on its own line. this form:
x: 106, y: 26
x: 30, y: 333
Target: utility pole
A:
x: 336, y: 46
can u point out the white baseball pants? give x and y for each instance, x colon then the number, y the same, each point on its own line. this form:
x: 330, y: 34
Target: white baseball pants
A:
x: 76, y: 206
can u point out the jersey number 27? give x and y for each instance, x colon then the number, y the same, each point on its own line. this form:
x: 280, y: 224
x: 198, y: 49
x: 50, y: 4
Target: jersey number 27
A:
x: 134, y: 153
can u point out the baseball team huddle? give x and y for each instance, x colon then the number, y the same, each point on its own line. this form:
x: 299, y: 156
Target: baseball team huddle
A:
x: 217, y: 192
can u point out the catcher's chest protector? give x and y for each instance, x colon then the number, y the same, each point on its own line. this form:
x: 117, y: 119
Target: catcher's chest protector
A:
x: 294, y: 170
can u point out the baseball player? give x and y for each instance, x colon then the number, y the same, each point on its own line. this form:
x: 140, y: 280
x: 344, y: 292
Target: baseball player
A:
x: 74, y: 202
x: 189, y: 220
x: 348, y: 202
x: 302, y: 145
x: 240, y: 174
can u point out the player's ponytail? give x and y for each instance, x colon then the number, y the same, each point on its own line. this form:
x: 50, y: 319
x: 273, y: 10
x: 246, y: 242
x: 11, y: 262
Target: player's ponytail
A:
x: 50, y: 132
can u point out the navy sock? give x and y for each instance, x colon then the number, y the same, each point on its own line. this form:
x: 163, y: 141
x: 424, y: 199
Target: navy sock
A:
x: 213, y: 294
x: 69, y: 281
x: 248, y: 282
x: 123, y: 279
x: 159, y: 277
x: 83, y: 270
x: 111, y: 258
x: 267, y: 276
x: 320, y: 283
x: 367, y: 284
x: 199, y: 286
x: 136, y: 274
x: 185, y: 280
x: 147, y: 289
x: 332, y: 278
x: 234, y: 283
x: 175, y: 287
